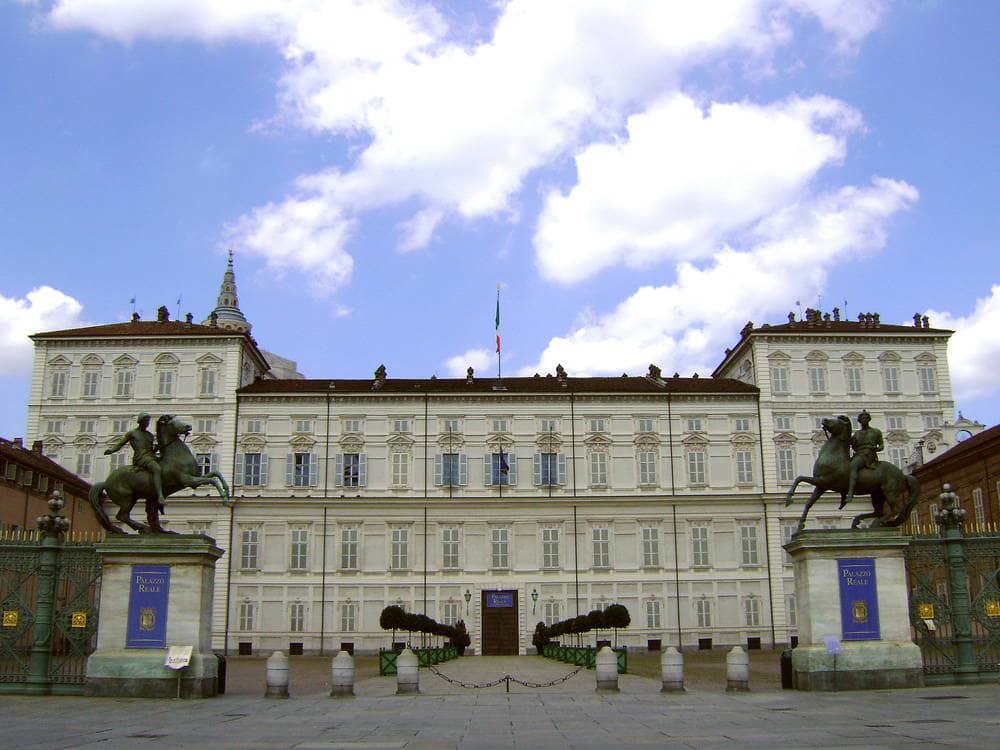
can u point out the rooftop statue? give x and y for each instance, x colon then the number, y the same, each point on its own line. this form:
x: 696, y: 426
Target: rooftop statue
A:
x: 159, y: 468
x: 893, y: 493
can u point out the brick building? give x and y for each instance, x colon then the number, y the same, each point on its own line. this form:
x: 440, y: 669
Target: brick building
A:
x: 972, y: 468
x: 27, y: 479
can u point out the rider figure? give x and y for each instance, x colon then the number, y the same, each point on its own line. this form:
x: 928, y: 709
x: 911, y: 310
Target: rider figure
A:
x: 143, y: 452
x: 866, y: 442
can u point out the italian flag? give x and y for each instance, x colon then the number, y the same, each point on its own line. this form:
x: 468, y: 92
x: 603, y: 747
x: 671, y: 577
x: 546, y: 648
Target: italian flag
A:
x: 498, y: 319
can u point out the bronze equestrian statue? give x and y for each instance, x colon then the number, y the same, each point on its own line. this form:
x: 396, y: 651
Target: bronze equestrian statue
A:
x: 893, y: 493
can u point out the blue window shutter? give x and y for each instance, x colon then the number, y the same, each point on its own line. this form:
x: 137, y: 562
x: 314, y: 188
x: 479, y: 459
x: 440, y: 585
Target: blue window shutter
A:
x: 562, y: 468
x: 238, y: 479
x: 338, y: 470
x: 263, y: 470
x: 537, y: 466
x: 463, y: 469
x: 512, y: 469
x: 313, y: 469
x: 289, y: 469
x: 438, y: 470
x: 362, y: 469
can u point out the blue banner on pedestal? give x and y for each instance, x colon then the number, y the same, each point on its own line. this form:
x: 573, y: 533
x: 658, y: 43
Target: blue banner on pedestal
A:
x: 149, y: 590
x: 858, y: 599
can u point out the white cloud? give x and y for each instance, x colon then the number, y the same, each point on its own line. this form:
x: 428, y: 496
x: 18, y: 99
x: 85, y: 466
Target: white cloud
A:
x: 974, y: 349
x: 684, y: 180
x: 478, y: 359
x: 41, y: 309
x: 455, y: 126
x: 684, y: 325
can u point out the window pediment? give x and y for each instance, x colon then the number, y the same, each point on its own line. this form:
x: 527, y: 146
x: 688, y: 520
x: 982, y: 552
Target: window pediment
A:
x: 778, y: 358
x: 303, y: 442
x: 400, y: 443
x: 451, y: 442
x: 695, y: 440
x: 92, y: 360
x: 54, y: 443
x: 126, y: 360
x: 204, y: 443
x: 85, y: 442
x: 785, y: 438
x: 817, y: 356
x: 897, y: 436
x: 926, y: 357
x: 166, y: 359
x: 548, y: 443
x: 650, y: 442
x: 498, y: 442
x: 853, y: 358
x: 252, y: 444
x: 742, y: 438
x: 597, y: 440
x: 351, y: 444
x: 59, y: 361
x: 888, y: 357
x: 208, y: 359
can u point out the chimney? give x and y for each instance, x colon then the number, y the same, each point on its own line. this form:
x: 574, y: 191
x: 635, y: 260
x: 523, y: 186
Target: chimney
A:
x: 36, y: 447
x: 18, y: 442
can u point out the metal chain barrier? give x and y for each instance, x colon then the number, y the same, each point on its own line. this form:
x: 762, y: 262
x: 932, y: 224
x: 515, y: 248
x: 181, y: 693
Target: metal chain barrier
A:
x: 507, y: 678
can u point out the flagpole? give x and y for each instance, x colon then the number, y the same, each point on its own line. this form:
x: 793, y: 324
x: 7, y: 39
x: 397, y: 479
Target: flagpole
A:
x: 499, y: 380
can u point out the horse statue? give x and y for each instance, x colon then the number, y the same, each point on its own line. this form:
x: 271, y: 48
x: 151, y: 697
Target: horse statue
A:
x: 893, y: 493
x: 129, y: 484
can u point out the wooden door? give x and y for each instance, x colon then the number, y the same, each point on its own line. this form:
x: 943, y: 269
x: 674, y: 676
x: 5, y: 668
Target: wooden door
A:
x: 499, y: 623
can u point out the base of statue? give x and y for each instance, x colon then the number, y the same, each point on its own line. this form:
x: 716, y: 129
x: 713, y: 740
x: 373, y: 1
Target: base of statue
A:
x: 852, y: 611
x: 156, y: 600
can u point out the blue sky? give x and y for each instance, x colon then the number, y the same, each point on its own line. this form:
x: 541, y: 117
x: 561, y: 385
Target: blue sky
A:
x: 641, y: 183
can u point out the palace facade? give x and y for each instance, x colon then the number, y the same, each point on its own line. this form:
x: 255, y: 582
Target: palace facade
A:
x: 662, y: 493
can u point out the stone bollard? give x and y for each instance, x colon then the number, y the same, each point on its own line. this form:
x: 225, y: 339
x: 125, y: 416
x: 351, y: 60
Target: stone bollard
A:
x: 737, y: 670
x: 672, y: 671
x: 607, y: 670
x: 277, y: 676
x: 342, y: 675
x: 407, y: 673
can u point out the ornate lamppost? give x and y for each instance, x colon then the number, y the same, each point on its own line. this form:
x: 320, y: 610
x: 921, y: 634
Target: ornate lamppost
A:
x: 949, y: 516
x: 52, y: 526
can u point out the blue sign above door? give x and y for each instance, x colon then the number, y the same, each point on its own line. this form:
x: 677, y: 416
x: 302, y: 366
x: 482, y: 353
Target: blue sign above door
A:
x: 498, y: 599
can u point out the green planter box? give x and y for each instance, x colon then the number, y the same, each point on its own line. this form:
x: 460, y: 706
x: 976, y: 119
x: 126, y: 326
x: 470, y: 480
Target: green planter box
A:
x: 622, y: 653
x: 387, y: 661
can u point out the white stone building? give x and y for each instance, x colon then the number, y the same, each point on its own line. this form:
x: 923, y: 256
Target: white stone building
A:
x: 663, y: 494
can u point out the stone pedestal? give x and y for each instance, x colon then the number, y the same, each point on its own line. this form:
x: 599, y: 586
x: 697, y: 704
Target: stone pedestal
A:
x: 887, y: 658
x: 117, y: 668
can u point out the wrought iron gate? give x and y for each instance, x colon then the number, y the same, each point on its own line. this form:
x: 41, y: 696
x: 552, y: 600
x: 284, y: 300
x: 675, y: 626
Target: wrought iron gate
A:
x: 49, y: 590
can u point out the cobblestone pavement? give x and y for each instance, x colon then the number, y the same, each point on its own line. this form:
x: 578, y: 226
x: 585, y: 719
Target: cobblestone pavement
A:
x: 570, y: 715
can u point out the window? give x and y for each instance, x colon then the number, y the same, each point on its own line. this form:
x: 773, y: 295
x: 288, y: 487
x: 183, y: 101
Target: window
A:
x: 547, y: 425
x: 54, y: 427
x: 206, y: 426
x: 783, y: 422
x: 451, y: 469
x: 500, y: 424
x: 703, y: 612
x: 551, y: 612
x: 854, y: 379
x: 254, y: 426
x: 744, y: 466
x: 401, y: 425
x: 124, y: 380
x: 787, y: 531
x: 502, y: 469
x: 899, y: 455
x: 57, y: 385
x: 602, y: 548
x: 694, y: 424
x: 550, y: 469
x: 751, y: 611
x: 741, y: 424
x: 653, y: 613
x: 699, y: 546
x: 351, y: 425
x: 165, y: 383
x: 451, y: 613
x: 91, y: 383
x: 350, y: 472
x: 251, y: 468
x: 207, y: 381
x: 696, y: 467
x: 550, y: 548
x: 348, y: 617
x: 248, y: 615
x: 206, y: 463
x: 748, y: 545
x: 779, y: 379
x: 303, y: 426
x: 927, y: 377
x: 647, y: 468
x: 791, y: 610
x: 896, y: 421
x: 349, y: 549
x: 249, y: 549
x: 200, y: 527
x: 120, y: 426
x: 87, y: 426
x: 979, y: 512
x: 644, y: 425
x: 598, y: 469
x: 296, y: 617
x: 120, y: 459
x: 300, y: 470
x: 400, y: 550
x: 650, y: 547
x: 817, y: 379
x: 890, y: 379
x: 299, y: 549
x: 786, y: 463
x: 598, y: 424
x: 932, y: 421
x: 450, y: 549
x: 450, y: 425
x: 84, y: 463
x: 400, y: 463
x: 499, y: 557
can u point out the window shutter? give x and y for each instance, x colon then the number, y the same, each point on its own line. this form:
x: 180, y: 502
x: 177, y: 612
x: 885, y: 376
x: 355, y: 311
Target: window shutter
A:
x: 338, y: 470
x: 487, y: 469
x: 512, y: 469
x: 289, y: 468
x: 238, y: 479
x: 263, y: 470
x: 313, y: 469
x: 561, y: 470
x: 463, y: 469
x: 213, y: 464
x: 537, y: 465
x: 438, y: 470
x: 362, y: 469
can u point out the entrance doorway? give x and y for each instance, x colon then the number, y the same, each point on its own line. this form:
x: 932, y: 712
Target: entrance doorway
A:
x: 499, y: 623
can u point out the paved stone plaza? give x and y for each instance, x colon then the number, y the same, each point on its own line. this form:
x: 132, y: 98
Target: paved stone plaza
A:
x: 570, y: 715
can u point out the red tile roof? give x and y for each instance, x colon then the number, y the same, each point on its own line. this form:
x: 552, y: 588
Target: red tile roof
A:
x: 43, y: 465
x: 143, y: 328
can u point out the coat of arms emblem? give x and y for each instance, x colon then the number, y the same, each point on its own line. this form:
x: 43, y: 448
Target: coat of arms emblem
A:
x: 147, y: 618
x: 859, y: 610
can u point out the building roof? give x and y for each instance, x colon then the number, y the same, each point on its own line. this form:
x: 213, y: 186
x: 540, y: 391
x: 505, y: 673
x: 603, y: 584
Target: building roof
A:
x: 487, y: 386
x: 42, y: 464
x: 140, y: 328
x: 970, y: 445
